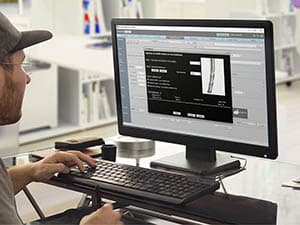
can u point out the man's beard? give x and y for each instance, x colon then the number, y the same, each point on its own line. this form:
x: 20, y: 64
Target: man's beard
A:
x: 10, y: 103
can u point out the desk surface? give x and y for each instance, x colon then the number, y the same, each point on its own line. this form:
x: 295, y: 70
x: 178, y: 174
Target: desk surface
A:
x: 262, y: 180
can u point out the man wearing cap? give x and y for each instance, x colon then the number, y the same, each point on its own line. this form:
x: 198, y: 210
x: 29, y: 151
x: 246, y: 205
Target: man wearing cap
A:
x: 13, y: 80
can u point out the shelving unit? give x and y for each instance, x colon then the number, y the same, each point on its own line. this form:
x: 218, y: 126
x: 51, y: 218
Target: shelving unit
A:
x: 35, y: 95
x: 283, y: 16
x: 85, y: 89
x: 86, y: 99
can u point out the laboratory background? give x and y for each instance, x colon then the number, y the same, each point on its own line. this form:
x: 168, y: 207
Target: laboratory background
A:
x: 72, y: 93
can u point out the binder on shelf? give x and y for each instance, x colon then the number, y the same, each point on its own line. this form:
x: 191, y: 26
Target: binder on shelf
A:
x: 131, y: 9
x: 88, y: 104
x: 85, y: 110
x: 287, y: 31
x: 287, y: 62
x: 84, y: 104
x: 104, y: 107
x: 263, y: 7
x: 94, y: 102
x: 100, y: 108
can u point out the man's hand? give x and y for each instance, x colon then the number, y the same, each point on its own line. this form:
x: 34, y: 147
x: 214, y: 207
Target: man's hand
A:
x: 59, y: 162
x: 102, y: 216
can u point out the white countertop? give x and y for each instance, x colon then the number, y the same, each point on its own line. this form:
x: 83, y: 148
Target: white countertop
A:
x: 72, y: 52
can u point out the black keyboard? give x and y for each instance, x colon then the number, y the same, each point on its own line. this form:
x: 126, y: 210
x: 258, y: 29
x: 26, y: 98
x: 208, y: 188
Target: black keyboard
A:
x: 147, y: 183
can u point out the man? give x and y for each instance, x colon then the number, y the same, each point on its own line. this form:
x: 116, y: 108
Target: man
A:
x: 13, y: 80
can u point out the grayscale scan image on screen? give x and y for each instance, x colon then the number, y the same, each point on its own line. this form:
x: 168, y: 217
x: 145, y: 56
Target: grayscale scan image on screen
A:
x: 213, y: 76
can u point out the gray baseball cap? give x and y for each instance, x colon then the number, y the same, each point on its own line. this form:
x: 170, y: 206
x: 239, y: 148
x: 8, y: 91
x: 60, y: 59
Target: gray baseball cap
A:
x: 12, y: 40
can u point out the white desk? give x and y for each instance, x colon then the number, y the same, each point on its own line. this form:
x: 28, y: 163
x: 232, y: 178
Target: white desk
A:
x: 262, y: 180
x: 71, y: 52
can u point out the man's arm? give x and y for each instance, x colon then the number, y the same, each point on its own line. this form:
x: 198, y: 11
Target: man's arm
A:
x: 43, y: 170
x: 20, y: 176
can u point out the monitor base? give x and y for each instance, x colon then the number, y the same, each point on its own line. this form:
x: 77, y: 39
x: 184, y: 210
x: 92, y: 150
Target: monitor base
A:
x: 180, y: 163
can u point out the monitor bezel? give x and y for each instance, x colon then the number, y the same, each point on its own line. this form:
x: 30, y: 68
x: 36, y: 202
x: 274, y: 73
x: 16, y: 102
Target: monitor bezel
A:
x: 270, y: 151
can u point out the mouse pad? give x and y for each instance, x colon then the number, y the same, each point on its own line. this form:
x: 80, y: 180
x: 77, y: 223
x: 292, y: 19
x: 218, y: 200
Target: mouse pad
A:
x: 234, y: 209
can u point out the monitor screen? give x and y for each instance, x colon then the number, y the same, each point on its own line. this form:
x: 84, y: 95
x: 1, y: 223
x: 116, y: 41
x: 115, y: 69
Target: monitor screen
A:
x: 197, y: 81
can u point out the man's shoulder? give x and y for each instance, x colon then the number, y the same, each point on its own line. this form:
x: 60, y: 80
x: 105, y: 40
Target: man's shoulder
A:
x: 8, y: 213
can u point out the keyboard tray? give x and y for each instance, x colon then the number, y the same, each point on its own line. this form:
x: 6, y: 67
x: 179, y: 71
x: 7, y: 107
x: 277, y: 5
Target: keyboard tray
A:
x: 146, y: 183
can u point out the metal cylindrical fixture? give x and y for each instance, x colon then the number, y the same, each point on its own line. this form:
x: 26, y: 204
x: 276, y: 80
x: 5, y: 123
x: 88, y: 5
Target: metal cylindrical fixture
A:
x: 130, y: 147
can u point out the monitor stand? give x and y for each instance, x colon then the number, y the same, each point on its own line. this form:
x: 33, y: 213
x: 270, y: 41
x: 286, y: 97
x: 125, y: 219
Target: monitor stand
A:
x: 198, y: 160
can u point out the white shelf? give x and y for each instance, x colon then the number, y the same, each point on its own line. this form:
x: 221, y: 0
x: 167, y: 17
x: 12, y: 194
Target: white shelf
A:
x: 72, y: 52
x: 286, y: 46
x: 288, y: 13
x: 100, y: 122
x: 283, y: 80
x: 284, y: 19
x: 25, y: 138
x: 281, y: 14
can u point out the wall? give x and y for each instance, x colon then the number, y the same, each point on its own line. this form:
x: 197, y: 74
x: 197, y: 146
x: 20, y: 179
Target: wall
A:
x: 205, y: 9
x: 189, y: 9
x: 58, y: 16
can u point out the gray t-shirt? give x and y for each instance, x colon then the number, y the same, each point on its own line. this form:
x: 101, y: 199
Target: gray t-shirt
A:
x: 8, y: 211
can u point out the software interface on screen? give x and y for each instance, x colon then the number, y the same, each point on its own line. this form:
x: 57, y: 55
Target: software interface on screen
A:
x: 202, y: 81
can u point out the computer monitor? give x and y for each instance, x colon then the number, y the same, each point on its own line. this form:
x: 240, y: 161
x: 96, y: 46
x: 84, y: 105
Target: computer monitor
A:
x: 206, y: 84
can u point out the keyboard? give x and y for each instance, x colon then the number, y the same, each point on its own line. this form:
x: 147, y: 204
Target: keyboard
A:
x: 146, y: 183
